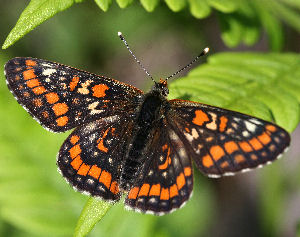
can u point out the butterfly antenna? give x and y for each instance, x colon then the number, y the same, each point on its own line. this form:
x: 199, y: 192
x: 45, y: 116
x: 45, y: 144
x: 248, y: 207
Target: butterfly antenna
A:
x: 138, y: 61
x: 205, y: 51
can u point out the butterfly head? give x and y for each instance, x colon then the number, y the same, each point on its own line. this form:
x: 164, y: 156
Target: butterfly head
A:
x: 161, y: 87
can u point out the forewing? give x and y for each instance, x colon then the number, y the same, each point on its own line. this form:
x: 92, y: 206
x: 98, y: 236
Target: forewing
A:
x: 223, y: 142
x: 90, y: 158
x: 61, y: 97
x: 166, y: 180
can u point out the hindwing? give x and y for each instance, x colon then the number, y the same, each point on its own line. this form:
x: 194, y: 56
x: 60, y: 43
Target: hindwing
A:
x: 90, y: 158
x: 166, y: 180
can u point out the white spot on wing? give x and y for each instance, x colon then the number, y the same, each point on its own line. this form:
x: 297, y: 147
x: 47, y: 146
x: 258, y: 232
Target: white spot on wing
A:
x: 250, y: 126
x: 48, y: 71
x: 246, y: 133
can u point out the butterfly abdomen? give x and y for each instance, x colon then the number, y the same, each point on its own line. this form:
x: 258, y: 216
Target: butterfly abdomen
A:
x: 148, y: 115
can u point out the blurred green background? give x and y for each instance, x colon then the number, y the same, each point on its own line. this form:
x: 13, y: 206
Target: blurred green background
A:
x: 36, y: 201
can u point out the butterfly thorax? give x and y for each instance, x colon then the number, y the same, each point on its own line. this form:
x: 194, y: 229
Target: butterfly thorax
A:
x: 149, y: 116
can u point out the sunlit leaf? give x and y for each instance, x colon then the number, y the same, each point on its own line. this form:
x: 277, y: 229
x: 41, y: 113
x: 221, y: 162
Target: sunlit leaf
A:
x: 199, y: 9
x: 34, y: 14
x: 124, y: 3
x: 149, y: 5
x: 93, y: 212
x: 103, y: 4
x: 176, y: 5
x: 224, y: 5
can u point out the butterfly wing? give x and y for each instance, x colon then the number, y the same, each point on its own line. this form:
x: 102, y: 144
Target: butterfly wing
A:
x: 223, y: 142
x: 61, y: 97
x: 91, y: 156
x: 166, y: 180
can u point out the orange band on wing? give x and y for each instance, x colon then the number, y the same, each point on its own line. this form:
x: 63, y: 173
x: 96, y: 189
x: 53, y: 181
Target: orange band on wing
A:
x: 133, y: 193
x: 76, y: 163
x: 217, y: 152
x: 144, y: 190
x: 231, y: 147
x: 164, y: 195
x: 180, y: 180
x: 30, y: 63
x: 105, y: 178
x: 207, y: 161
x: 155, y: 190
x: 173, y: 191
x: 62, y: 121
x: 95, y: 172
x: 114, y: 188
x: 84, y: 169
x: 200, y: 118
x: 75, y: 151
x: 29, y: 74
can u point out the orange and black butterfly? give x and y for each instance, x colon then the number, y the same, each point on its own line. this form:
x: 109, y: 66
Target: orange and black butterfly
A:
x: 134, y: 143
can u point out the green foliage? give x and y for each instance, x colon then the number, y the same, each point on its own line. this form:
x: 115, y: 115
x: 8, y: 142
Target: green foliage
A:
x: 103, y: 4
x: 241, y: 20
x: 124, y: 3
x: 149, y: 5
x: 35, y: 14
x: 93, y: 211
x: 263, y: 85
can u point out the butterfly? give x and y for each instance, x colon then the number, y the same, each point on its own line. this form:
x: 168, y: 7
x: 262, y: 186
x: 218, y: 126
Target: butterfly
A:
x: 134, y: 143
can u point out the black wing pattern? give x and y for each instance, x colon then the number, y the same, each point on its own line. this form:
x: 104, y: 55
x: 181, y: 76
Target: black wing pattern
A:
x: 60, y: 97
x: 166, y: 181
x: 91, y: 156
x: 224, y: 142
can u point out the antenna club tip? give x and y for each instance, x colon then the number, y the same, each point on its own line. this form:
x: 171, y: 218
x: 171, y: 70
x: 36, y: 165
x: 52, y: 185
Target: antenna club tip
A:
x: 119, y: 33
x: 206, y: 50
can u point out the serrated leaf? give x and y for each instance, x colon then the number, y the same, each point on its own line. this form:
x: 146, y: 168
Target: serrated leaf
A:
x: 199, y: 9
x: 34, y: 14
x: 103, y: 4
x: 225, y: 6
x: 92, y: 212
x: 124, y: 3
x: 251, y: 83
x: 176, y: 5
x: 149, y: 5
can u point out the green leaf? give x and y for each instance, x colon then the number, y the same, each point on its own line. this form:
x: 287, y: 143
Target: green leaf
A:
x: 124, y: 3
x: 286, y: 13
x: 93, y: 211
x: 149, y: 5
x: 232, y: 30
x: 225, y: 6
x: 262, y: 85
x: 176, y: 5
x: 34, y: 14
x: 199, y: 9
x: 292, y: 3
x: 103, y: 4
x: 271, y: 24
